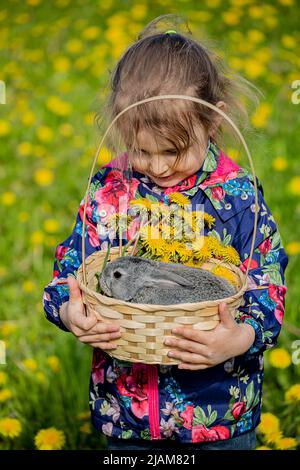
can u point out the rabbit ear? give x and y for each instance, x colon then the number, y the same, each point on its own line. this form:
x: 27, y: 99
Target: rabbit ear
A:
x: 165, y: 279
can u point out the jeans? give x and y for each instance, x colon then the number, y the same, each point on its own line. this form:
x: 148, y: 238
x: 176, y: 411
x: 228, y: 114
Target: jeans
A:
x: 245, y: 441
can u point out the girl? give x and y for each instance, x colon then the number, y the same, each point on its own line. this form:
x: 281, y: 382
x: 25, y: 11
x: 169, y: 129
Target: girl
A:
x: 212, y: 399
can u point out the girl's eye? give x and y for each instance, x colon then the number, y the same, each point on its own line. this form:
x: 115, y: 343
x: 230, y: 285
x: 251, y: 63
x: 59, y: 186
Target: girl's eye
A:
x: 171, y: 152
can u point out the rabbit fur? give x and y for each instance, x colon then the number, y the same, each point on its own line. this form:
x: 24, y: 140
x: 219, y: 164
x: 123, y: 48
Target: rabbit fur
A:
x: 141, y: 280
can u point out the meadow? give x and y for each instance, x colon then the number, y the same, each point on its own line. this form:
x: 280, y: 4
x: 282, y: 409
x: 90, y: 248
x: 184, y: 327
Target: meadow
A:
x: 55, y: 59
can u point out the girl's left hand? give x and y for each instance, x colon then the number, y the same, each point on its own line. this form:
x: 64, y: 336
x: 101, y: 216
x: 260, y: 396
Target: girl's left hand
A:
x: 202, y: 349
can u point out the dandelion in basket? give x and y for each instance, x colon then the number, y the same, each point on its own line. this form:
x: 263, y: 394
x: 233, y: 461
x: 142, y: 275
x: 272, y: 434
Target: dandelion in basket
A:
x: 174, y: 234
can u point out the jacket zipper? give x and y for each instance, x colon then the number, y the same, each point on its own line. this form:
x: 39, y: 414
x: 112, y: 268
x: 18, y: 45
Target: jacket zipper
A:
x: 153, y: 400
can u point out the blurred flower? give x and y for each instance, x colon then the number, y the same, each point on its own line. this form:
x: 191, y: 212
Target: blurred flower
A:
x: 37, y: 237
x: 10, y: 427
x: 23, y: 216
x: 33, y: 3
x: 3, y: 271
x: 50, y: 439
x: 44, y: 133
x: 61, y: 64
x: 90, y: 33
x: 57, y: 106
x: 254, y: 69
x: 269, y: 423
x: 53, y: 363
x: 7, y: 328
x: 66, y: 129
x: 288, y: 41
x: 5, y: 127
x: 28, y: 286
x: 279, y: 163
x: 138, y: 11
x: 263, y: 448
x: 8, y: 198
x: 293, y: 248
x: 5, y: 394
x: 43, y: 176
x: 256, y: 12
x: 280, y: 358
x: 254, y: 35
x: 286, y: 443
x: 85, y: 428
x: 74, y: 46
x: 105, y: 156
x: 30, y: 364
x: 231, y: 17
x: 84, y: 415
x: 294, y: 185
x: 41, y: 377
x: 273, y: 437
x: 51, y: 226
x: 24, y: 148
x: 260, y: 117
x: 293, y: 393
x: 3, y: 378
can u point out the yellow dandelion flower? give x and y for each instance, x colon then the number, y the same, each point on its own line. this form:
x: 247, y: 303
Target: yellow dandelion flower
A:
x: 51, y: 226
x: 53, y: 363
x: 23, y: 216
x: 179, y: 199
x: 66, y: 129
x: 44, y: 133
x: 24, y: 148
x: 28, y: 286
x: 5, y: 128
x: 41, y: 377
x: 156, y: 246
x: 231, y: 18
x: 50, y: 439
x: 90, y: 33
x: 10, y: 427
x: 172, y: 248
x: 230, y: 255
x: 61, y: 64
x: 280, y: 358
x: 261, y: 115
x: 215, y: 246
x: 280, y: 163
x: 8, y: 198
x: 105, y: 156
x: 58, y: 106
x: 263, y: 448
x: 5, y: 394
x: 269, y: 423
x: 84, y: 415
x: 294, y: 185
x: 28, y: 118
x: 293, y: 248
x: 30, y: 364
x: 37, y: 237
x: 209, y: 219
x: 7, y: 329
x: 288, y: 41
x: 256, y: 12
x: 43, y: 177
x: 142, y: 202
x: 286, y: 443
x: 273, y: 437
x: 293, y: 393
x: 225, y: 273
x: 205, y: 252
x: 3, y: 378
x: 85, y: 428
x: 74, y: 46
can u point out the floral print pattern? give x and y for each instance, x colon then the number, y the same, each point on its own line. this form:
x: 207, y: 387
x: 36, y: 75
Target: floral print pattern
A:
x: 137, y: 401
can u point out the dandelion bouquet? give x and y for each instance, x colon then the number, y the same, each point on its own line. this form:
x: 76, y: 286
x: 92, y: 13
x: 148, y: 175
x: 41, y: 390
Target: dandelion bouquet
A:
x: 174, y: 233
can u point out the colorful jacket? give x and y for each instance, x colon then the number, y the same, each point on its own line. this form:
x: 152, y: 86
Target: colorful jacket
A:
x: 140, y: 401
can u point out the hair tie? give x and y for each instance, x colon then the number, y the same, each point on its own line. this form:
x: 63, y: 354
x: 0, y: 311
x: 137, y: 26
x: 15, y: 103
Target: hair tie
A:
x: 170, y: 31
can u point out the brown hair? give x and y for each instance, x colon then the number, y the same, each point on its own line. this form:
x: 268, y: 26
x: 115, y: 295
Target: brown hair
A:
x: 175, y: 63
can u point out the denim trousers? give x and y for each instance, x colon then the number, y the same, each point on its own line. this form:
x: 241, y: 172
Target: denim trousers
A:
x: 245, y: 441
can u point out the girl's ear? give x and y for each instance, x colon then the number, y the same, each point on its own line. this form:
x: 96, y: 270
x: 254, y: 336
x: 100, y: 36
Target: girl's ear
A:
x: 218, y: 118
x: 165, y: 279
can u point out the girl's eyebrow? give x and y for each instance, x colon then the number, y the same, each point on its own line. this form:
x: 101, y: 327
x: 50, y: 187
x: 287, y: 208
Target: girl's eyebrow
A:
x: 163, y: 150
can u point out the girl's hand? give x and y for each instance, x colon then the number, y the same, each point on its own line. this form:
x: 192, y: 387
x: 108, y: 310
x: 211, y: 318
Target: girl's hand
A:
x: 86, y: 329
x: 203, y: 349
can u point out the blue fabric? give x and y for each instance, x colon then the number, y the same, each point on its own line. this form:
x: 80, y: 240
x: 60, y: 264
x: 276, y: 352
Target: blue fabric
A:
x: 212, y: 404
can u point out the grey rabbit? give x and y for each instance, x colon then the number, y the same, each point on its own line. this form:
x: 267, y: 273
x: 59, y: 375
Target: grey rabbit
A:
x: 141, y: 280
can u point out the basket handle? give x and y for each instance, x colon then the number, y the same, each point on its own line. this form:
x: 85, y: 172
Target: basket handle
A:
x: 185, y: 97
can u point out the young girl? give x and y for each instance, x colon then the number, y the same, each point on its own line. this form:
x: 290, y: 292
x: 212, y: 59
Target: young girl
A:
x: 212, y: 399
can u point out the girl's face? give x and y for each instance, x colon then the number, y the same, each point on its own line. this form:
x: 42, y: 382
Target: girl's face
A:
x: 157, y: 159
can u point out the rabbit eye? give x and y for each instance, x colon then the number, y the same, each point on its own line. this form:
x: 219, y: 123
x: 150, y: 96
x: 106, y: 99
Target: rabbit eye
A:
x: 117, y: 274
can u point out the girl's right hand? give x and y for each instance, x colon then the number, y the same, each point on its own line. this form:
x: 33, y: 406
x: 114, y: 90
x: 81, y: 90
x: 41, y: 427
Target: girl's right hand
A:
x: 89, y: 329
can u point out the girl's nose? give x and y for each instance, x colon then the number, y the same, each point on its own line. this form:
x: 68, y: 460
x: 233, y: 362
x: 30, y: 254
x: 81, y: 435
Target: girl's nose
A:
x: 157, y: 166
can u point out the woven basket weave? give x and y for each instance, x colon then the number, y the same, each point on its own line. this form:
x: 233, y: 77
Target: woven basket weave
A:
x: 144, y: 327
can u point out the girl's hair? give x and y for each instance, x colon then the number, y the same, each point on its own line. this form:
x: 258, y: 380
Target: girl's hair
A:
x: 174, y: 63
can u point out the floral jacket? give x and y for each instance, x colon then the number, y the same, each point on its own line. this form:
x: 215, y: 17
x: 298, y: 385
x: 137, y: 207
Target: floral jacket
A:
x: 140, y: 401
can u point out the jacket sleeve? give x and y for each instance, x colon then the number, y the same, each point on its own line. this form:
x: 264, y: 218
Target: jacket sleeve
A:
x: 265, y: 297
x: 68, y: 258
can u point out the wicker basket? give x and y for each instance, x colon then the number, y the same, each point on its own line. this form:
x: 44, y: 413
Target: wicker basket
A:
x: 144, y: 327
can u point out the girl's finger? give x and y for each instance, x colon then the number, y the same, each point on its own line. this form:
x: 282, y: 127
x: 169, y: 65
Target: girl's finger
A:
x: 186, y: 345
x: 98, y: 338
x: 186, y: 366
x: 191, y: 358
x: 103, y: 345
